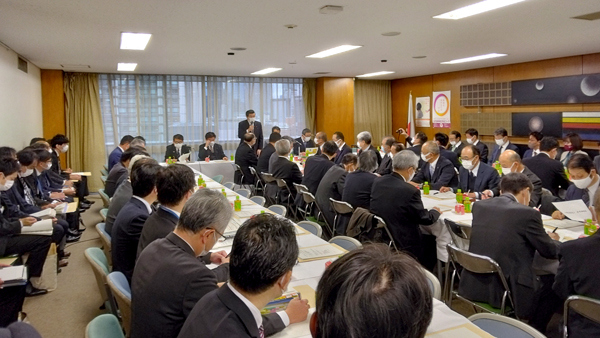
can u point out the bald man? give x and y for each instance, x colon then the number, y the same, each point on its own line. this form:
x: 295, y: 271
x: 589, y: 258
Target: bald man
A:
x: 320, y: 139
x: 511, y: 163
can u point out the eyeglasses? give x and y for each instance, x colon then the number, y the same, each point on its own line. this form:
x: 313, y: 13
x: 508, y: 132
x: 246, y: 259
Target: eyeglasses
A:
x: 220, y: 234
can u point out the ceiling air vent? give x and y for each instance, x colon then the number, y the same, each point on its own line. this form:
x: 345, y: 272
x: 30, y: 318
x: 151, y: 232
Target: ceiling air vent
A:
x: 76, y: 66
x: 321, y: 73
x: 588, y: 17
x: 22, y: 65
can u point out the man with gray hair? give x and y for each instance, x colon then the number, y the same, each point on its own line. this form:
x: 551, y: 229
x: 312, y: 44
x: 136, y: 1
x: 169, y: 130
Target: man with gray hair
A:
x: 438, y: 171
x: 138, y: 141
x: 399, y: 204
x: 285, y: 169
x: 364, y: 143
x: 169, y: 279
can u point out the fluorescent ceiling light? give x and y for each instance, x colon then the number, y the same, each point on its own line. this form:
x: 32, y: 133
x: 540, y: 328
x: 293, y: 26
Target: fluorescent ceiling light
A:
x: 267, y: 71
x: 476, y: 8
x: 126, y: 67
x: 136, y: 41
x: 333, y: 51
x: 474, y: 58
x: 375, y: 74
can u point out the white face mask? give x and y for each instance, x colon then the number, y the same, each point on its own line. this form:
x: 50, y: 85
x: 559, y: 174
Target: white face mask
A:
x: 204, y: 251
x: 212, y: 143
x: 468, y: 164
x: 65, y: 148
x: 307, y: 138
x: 411, y: 176
x: 178, y: 145
x: 27, y: 173
x: 7, y: 185
x: 424, y: 156
x: 470, y: 140
x: 506, y: 171
x: 452, y: 143
x: 500, y: 142
x: 251, y: 119
x: 48, y: 165
x: 583, y: 183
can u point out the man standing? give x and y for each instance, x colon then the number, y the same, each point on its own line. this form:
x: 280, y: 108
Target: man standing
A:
x: 250, y: 125
x: 211, y: 149
x: 502, y: 144
x: 386, y: 162
x: 175, y: 150
x: 343, y: 148
x: 303, y: 142
x: 115, y: 155
x: 438, y: 171
x: 364, y: 143
x: 245, y: 157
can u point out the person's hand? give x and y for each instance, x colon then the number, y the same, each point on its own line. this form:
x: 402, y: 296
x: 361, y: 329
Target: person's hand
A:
x: 594, y: 216
x: 554, y: 235
x: 225, y: 158
x: 486, y: 194
x: 416, y: 185
x: 402, y: 132
x: 54, y: 220
x: 57, y: 196
x: 437, y: 209
x: 251, y: 128
x: 69, y: 192
x: 444, y: 189
x: 258, y: 151
x: 219, y: 257
x: 472, y: 196
x: 28, y: 221
x: 68, y: 184
x: 75, y: 177
x: 376, y: 174
x: 297, y: 310
x: 558, y: 215
x: 69, y: 171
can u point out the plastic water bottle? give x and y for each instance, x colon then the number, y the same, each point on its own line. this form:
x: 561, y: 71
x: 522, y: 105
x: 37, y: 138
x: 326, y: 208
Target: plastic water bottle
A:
x: 224, y: 192
x: 237, y: 204
x: 426, y: 188
x: 459, y: 196
x: 467, y: 205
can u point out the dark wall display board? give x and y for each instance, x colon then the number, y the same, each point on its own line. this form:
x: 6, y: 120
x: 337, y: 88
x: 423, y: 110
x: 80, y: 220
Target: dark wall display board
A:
x: 549, y: 124
x: 557, y: 90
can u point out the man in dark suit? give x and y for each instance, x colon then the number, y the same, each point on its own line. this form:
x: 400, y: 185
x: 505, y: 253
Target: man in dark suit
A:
x: 474, y: 176
x: 534, y: 144
x: 386, y: 162
x: 175, y: 150
x: 436, y: 170
x: 250, y: 125
x: 128, y: 226
x: 502, y: 144
x: 317, y: 165
x: 508, y: 222
x: 60, y: 144
x: 417, y: 144
x: 442, y: 141
x: 115, y: 155
x: 455, y: 142
x: 245, y: 157
x: 262, y: 257
x: 364, y: 144
x: 119, y: 172
x: 585, y: 182
x: 303, y: 142
x: 320, y: 139
x: 549, y: 170
x: 597, y: 163
x: 343, y: 148
x: 357, y: 190
x: 399, y: 204
x: 211, y: 149
x: 284, y: 168
x: 473, y: 138
x: 268, y: 150
x: 169, y: 279
x: 332, y: 185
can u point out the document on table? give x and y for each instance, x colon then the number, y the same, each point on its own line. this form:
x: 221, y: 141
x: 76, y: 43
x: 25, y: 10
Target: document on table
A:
x: 247, y: 213
x: 232, y: 226
x: 83, y: 173
x: 463, y: 331
x: 13, y: 275
x: 448, y: 195
x: 320, y: 252
x: 575, y: 210
x: 562, y: 224
x: 222, y: 243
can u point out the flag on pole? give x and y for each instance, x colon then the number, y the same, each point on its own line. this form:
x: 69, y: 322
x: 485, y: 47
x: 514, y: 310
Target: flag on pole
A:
x: 410, y: 127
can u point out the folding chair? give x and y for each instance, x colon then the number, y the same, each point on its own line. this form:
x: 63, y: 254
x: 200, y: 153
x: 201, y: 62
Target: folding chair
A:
x: 434, y: 284
x: 282, y: 184
x: 258, y: 182
x: 584, y: 306
x: 346, y: 242
x: 117, y: 282
x: 312, y: 227
x: 339, y: 208
x: 381, y: 225
x: 270, y: 180
x: 504, y: 327
x: 459, y: 233
x: 301, y: 189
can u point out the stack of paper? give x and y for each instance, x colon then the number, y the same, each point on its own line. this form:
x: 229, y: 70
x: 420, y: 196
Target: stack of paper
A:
x: 41, y: 228
x: 320, y: 252
x: 13, y: 275
x: 45, y: 214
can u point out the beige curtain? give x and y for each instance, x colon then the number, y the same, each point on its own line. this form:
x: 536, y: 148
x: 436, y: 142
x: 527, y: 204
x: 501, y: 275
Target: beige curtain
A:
x: 373, y: 108
x: 84, y: 126
x: 309, y: 94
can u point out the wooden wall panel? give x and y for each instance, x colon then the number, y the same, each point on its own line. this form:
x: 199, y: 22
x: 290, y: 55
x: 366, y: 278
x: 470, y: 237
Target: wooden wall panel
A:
x: 335, y: 107
x: 539, y: 69
x: 53, y: 105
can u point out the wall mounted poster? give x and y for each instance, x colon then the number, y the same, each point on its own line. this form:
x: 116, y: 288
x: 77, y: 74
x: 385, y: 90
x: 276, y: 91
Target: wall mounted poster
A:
x: 423, y: 111
x: 441, y: 109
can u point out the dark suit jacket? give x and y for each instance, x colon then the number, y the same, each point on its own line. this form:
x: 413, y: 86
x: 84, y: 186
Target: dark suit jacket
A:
x: 168, y: 281
x: 400, y: 206
x: 222, y: 314
x: 216, y: 154
x: 56, y: 166
x: 263, y: 159
x: 578, y: 275
x: 536, y: 194
x: 125, y: 236
x: 340, y: 153
x: 574, y: 193
x: 258, y: 132
x: 416, y: 149
x: 509, y: 233
x: 33, y: 183
x: 115, y: 177
x: 117, y: 202
x: 374, y: 150
x: 173, y: 153
x: 487, y: 178
x: 300, y: 146
x: 496, y: 153
x: 315, y: 168
x: 357, y: 189
x: 331, y: 186
x: 458, y: 149
x: 288, y: 171
x: 17, y: 200
x: 450, y: 155
x: 550, y: 171
x: 528, y: 154
x: 245, y: 157
x: 597, y: 163
x: 443, y: 174
x: 8, y: 228
x: 114, y: 158
x: 386, y: 166
x: 483, y: 150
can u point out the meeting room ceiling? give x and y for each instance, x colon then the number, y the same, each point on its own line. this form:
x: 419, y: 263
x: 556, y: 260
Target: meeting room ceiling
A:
x: 194, y: 37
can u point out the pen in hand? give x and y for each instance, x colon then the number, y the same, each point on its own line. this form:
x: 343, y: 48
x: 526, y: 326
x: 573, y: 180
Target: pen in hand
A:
x: 553, y: 231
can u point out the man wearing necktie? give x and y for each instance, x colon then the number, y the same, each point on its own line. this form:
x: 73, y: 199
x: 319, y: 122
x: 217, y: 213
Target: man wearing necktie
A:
x: 502, y: 144
x: 474, y: 176
x: 585, y: 181
x: 534, y: 144
x: 438, y: 171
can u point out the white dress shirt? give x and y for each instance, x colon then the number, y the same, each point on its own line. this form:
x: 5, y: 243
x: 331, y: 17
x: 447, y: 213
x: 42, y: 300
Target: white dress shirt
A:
x: 255, y: 311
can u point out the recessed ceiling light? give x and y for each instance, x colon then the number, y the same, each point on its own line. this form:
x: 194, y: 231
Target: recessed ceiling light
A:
x: 126, y: 67
x: 391, y: 34
x: 135, y: 41
x: 267, y: 71
x: 419, y: 57
x: 474, y: 58
x: 375, y: 74
x: 238, y: 48
x: 476, y: 8
x: 333, y: 51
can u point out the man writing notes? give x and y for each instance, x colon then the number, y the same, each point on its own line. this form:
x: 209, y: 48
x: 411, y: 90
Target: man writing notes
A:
x: 250, y: 125
x: 177, y: 149
x: 263, y: 254
x: 475, y: 176
x: 438, y: 171
x: 211, y: 149
x: 585, y: 181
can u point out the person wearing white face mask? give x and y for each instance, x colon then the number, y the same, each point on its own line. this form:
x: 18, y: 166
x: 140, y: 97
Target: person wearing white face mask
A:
x: 320, y: 139
x: 263, y: 254
x: 507, y: 230
x: 175, y: 150
x: 60, y: 144
x: 455, y: 142
x: 211, y: 149
x: 399, y: 204
x: 438, y: 171
x: 474, y: 176
x: 303, y: 142
x: 502, y: 144
x: 472, y: 137
x: 363, y: 140
x: 343, y: 148
x: 250, y: 125
x: 585, y: 181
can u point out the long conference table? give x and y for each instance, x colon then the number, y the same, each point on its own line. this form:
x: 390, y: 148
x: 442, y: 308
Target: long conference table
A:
x: 306, y: 275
